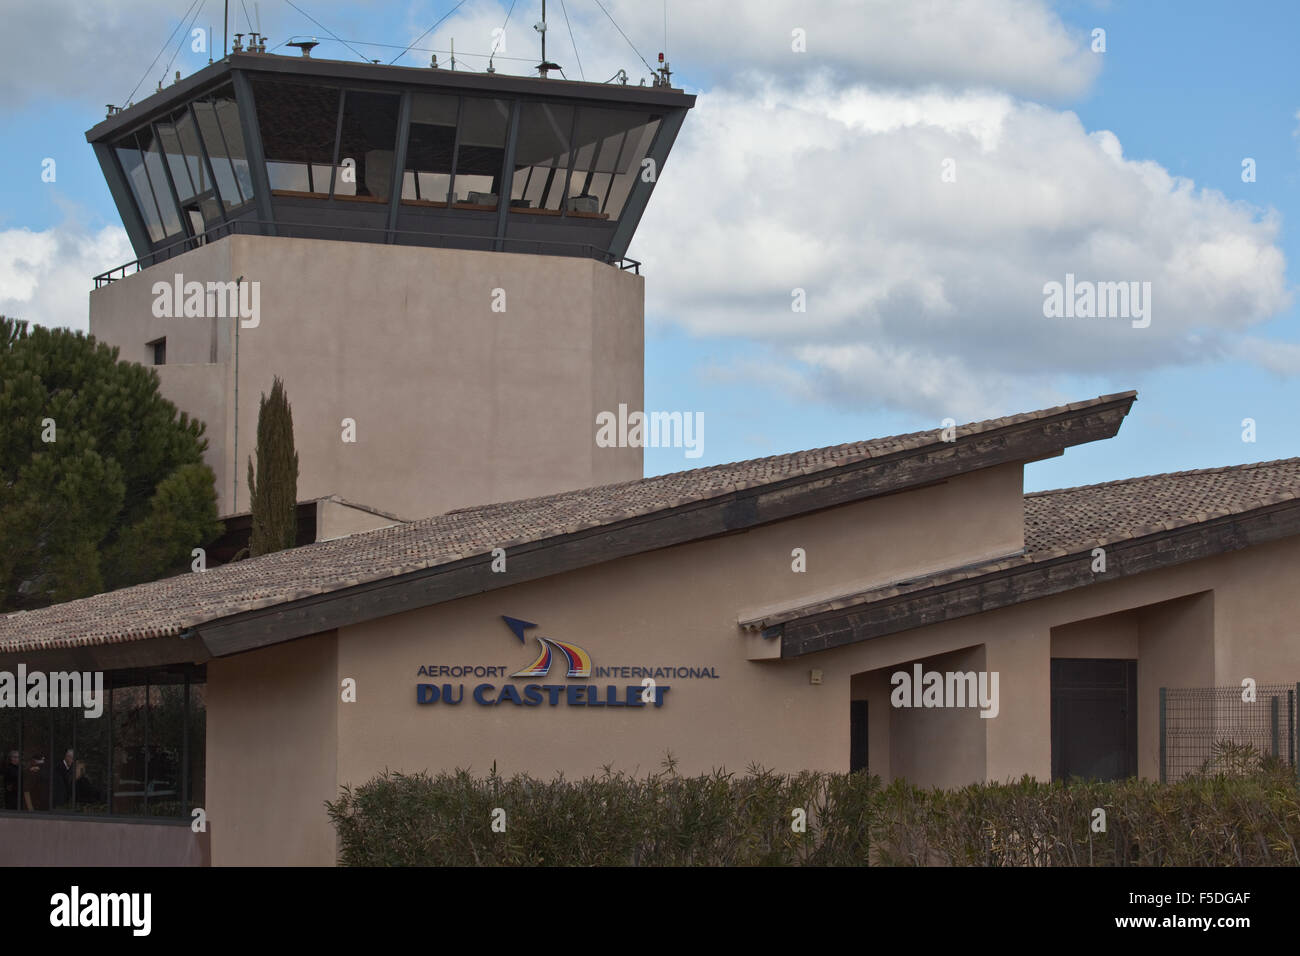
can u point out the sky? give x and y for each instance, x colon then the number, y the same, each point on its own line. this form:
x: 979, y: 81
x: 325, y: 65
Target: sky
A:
x: 855, y: 230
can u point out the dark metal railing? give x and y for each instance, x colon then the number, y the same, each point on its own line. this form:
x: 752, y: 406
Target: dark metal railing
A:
x: 454, y: 240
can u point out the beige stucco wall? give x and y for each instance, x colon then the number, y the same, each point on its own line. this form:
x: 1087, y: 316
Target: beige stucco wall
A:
x: 271, y: 750
x: 1113, y: 636
x: 942, y: 746
x: 1176, y: 648
x: 454, y: 404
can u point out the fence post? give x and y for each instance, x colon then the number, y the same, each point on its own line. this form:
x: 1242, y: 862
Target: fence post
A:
x: 1296, y: 727
x: 1290, y: 727
x: 1273, y: 723
x: 1163, y: 691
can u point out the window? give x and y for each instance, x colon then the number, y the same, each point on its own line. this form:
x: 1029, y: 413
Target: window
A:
x: 179, y: 137
x: 298, y: 124
x: 142, y: 756
x: 480, y: 152
x: 430, y: 149
x: 158, y: 349
x: 142, y: 164
x: 132, y: 162
x: 218, y: 126
x: 541, y: 157
x: 153, y: 164
x: 367, y: 146
x: 180, y: 145
x: 608, y: 147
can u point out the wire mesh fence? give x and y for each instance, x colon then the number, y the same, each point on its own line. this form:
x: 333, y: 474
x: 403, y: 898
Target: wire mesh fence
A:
x: 1211, y: 729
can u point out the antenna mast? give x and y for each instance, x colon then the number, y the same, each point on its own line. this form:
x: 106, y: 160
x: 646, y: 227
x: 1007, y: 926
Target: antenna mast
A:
x: 545, y: 65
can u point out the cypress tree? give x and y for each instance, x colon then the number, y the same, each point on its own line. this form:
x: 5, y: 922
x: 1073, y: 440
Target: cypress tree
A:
x: 274, y: 495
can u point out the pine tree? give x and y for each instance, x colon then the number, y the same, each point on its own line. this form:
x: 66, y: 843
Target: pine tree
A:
x: 274, y: 495
x: 102, y: 480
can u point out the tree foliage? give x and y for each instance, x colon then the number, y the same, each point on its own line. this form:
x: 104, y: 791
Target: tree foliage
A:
x: 274, y: 494
x: 102, y: 480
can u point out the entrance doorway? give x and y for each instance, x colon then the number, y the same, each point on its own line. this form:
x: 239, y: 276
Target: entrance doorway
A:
x: 1094, y: 719
x: 858, y: 747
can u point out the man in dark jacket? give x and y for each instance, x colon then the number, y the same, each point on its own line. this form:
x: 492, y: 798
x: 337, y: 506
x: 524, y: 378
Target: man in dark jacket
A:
x: 65, y: 780
x: 13, y: 774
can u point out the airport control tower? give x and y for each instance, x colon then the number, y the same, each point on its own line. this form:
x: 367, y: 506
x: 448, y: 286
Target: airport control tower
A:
x: 433, y: 261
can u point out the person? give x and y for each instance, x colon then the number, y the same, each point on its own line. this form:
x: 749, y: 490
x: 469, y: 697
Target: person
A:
x: 65, y: 776
x: 13, y: 772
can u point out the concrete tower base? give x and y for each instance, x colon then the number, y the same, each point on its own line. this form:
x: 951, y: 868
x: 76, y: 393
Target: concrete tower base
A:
x: 469, y: 377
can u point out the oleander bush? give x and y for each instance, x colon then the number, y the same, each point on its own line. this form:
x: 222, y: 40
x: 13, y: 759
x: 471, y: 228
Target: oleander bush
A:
x: 1247, y: 815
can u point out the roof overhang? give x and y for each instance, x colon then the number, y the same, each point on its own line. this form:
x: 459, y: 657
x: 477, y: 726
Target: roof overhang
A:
x: 969, y: 591
x: 743, y: 506
x: 379, y: 76
x: 727, y: 514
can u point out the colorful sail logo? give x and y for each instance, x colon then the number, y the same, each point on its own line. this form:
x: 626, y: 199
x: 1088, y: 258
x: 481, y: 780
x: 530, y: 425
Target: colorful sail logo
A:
x: 577, y: 659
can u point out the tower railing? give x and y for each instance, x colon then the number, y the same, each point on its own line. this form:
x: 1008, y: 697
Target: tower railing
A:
x: 311, y: 230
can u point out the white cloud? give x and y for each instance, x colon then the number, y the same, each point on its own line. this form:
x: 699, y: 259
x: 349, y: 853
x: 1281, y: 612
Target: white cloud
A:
x: 46, y: 277
x: 922, y: 293
x: 96, y: 53
x: 1016, y: 45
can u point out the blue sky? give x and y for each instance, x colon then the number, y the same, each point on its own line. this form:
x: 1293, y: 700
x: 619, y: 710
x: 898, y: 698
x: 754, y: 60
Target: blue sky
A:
x: 913, y: 316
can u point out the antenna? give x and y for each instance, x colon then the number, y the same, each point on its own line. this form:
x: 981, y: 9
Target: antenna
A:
x: 545, y: 65
x: 225, y: 29
x: 305, y: 46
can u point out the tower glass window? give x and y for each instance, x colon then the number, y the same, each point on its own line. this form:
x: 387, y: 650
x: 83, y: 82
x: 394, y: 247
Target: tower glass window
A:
x: 218, y: 124
x: 541, y: 157
x: 132, y: 161
x: 480, y: 152
x: 151, y: 149
x: 621, y: 154
x: 367, y: 145
x: 298, y: 124
x: 608, y: 146
x: 180, y: 143
x: 430, y: 151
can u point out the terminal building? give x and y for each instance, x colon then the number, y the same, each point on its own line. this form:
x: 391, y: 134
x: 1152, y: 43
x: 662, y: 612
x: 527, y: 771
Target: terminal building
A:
x: 486, y: 586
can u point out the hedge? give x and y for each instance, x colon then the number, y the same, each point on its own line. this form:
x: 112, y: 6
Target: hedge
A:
x: 1241, y: 817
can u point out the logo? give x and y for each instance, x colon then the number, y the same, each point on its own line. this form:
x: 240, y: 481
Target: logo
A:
x: 644, y: 685
x: 579, y: 661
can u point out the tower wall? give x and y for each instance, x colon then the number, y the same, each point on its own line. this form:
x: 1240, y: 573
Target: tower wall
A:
x: 455, y: 403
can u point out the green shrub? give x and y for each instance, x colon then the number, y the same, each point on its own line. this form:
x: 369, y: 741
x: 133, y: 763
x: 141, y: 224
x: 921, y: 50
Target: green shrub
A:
x: 1234, y: 818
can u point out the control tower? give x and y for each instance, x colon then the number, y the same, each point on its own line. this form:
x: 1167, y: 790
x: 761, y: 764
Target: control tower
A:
x: 433, y: 261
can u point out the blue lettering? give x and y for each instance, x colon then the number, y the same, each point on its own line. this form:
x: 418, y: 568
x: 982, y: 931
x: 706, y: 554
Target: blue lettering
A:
x: 575, y: 694
x: 446, y: 694
x: 511, y: 693
x: 532, y: 695
x: 478, y: 694
x: 634, y: 697
x: 426, y: 694
x: 659, y: 695
x: 553, y: 691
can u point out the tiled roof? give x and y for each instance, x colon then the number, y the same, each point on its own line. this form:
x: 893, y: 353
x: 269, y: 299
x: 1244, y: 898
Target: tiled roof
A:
x: 168, y: 607
x: 1069, y: 519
